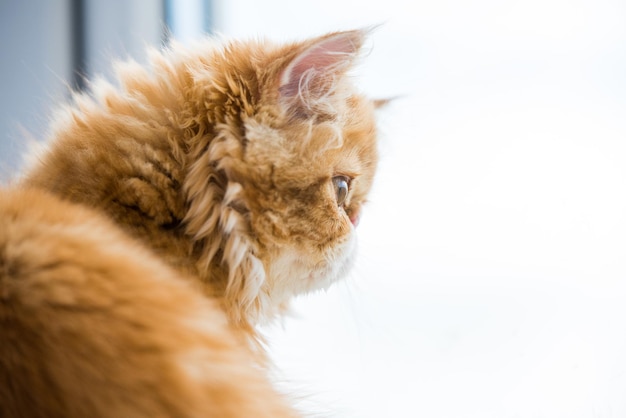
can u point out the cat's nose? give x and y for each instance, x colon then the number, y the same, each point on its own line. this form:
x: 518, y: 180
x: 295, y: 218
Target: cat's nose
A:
x: 355, y: 217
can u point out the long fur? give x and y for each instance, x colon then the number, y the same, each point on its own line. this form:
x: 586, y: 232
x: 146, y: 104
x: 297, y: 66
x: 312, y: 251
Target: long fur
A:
x: 209, y: 171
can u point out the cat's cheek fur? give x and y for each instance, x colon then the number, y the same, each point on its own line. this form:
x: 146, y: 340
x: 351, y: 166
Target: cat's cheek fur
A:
x: 295, y: 271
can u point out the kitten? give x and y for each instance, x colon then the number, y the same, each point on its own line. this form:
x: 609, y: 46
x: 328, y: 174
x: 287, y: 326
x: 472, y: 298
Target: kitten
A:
x: 172, y: 214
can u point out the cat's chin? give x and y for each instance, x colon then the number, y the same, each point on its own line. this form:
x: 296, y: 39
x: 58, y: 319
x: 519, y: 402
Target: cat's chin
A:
x: 327, y: 273
x: 295, y: 272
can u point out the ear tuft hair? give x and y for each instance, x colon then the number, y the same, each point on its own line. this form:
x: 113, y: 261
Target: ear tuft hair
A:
x: 311, y: 74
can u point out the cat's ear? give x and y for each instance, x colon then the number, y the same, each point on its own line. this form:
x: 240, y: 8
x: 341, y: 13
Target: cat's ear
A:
x: 382, y: 103
x: 311, y: 74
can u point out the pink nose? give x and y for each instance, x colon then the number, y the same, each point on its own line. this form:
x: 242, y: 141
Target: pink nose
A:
x: 354, y: 218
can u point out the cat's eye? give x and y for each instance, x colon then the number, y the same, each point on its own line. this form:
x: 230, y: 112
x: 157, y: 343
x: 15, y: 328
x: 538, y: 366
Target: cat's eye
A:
x: 342, y: 187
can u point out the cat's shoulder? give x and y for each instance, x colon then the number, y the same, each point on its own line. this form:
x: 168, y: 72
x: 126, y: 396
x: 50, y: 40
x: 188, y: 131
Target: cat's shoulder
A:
x: 88, y: 314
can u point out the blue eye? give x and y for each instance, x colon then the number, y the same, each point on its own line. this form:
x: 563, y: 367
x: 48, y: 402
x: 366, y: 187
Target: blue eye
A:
x: 341, y: 184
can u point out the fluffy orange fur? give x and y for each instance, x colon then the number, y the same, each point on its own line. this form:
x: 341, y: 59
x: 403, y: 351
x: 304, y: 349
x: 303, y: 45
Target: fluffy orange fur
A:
x: 95, y: 325
x: 171, y: 214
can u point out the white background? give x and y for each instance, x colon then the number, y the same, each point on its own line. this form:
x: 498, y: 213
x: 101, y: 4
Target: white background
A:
x: 491, y: 280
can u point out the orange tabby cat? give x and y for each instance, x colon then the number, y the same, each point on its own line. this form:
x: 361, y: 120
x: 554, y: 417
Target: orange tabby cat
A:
x: 168, y: 217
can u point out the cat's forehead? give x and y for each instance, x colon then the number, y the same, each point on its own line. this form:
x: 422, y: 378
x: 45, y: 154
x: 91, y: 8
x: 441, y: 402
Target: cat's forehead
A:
x: 311, y: 150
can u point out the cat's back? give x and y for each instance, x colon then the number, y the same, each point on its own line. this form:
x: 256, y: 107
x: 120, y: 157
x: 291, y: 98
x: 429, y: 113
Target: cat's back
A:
x: 92, y: 324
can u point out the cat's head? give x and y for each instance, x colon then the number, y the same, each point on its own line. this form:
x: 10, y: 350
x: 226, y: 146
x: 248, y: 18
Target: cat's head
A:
x: 281, y: 161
